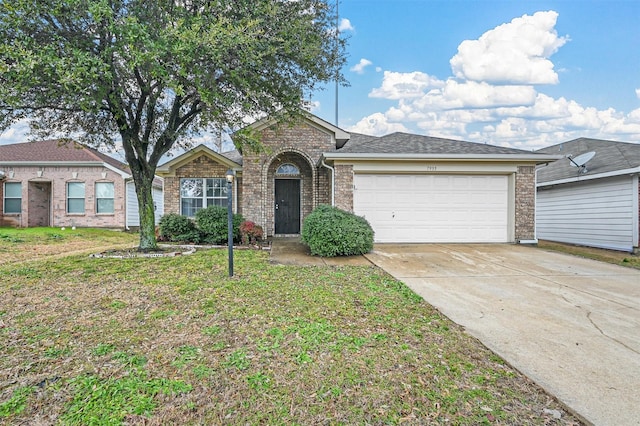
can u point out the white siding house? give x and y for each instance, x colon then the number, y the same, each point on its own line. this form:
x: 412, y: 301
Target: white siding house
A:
x: 595, y: 205
x: 133, y: 215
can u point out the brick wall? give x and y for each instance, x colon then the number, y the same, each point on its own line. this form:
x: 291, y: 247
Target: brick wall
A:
x: 344, y: 187
x: 44, y: 197
x: 200, y: 167
x: 525, y: 203
x: 301, y: 146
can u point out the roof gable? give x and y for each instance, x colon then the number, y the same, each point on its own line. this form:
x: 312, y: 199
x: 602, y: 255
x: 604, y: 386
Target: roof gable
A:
x: 225, y: 159
x: 340, y: 136
x: 610, y: 157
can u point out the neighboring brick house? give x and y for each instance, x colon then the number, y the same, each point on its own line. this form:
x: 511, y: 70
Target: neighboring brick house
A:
x: 52, y: 183
x: 411, y: 188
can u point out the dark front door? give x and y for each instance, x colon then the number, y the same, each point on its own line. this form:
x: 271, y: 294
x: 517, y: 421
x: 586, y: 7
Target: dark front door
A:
x: 287, y: 208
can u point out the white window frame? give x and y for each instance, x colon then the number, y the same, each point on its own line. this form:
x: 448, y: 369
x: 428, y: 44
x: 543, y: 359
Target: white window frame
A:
x: 112, y: 198
x: 83, y: 198
x: 205, y: 193
x: 4, y: 193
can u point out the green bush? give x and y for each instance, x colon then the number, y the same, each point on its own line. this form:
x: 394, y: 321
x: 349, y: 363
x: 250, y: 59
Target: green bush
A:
x: 177, y: 228
x: 329, y: 232
x: 212, y: 223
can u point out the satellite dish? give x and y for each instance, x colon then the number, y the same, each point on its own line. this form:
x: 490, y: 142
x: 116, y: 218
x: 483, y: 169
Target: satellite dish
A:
x: 581, y: 160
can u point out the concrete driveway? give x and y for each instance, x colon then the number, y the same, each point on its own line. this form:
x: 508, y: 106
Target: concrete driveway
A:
x: 572, y: 325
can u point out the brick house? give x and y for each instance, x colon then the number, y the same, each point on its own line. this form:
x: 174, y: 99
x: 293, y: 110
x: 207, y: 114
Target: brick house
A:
x: 51, y: 183
x: 411, y: 188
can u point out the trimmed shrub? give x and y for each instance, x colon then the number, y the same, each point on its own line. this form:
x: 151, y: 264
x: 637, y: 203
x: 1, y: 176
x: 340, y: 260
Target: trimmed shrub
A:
x: 250, y: 232
x: 177, y: 228
x: 212, y: 223
x: 330, y: 232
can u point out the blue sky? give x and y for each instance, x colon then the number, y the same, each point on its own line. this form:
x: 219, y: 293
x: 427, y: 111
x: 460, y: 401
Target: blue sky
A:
x: 520, y: 73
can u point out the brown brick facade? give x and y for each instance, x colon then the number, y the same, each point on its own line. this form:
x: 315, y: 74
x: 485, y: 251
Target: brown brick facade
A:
x: 200, y: 167
x: 301, y: 146
x: 344, y: 187
x: 525, y: 203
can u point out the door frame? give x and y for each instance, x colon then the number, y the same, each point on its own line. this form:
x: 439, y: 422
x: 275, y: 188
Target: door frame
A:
x: 275, y: 215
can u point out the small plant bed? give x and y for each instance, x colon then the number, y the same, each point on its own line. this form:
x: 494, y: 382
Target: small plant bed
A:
x: 162, y: 251
x: 171, y: 250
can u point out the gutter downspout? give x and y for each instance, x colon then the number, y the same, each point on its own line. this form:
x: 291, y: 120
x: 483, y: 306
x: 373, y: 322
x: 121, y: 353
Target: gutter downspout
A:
x: 333, y: 181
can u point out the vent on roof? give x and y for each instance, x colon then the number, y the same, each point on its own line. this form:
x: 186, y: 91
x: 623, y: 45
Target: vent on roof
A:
x: 581, y: 161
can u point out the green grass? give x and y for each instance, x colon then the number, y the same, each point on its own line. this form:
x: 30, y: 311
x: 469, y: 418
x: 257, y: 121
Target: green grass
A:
x: 176, y: 341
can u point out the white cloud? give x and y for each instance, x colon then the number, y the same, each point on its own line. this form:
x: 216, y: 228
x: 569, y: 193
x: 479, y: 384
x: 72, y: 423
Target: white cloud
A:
x: 492, y: 97
x: 360, y: 66
x: 377, y: 125
x: 345, y: 25
x: 16, y: 133
x: 471, y: 94
x: 516, y: 52
x: 397, y: 85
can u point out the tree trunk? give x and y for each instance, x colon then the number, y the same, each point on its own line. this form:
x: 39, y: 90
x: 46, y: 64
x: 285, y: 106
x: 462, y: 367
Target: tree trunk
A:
x: 146, y: 207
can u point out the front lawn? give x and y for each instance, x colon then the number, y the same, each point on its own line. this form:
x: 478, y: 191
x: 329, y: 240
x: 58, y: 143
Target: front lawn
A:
x: 176, y: 341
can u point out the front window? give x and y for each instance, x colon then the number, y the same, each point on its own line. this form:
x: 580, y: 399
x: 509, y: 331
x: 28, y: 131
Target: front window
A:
x: 13, y: 197
x: 287, y: 169
x: 199, y: 193
x: 75, y: 197
x: 104, y: 197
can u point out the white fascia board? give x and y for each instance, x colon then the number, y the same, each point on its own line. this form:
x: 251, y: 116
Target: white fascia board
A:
x: 122, y: 173
x: 538, y: 159
x: 614, y: 173
x: 463, y: 167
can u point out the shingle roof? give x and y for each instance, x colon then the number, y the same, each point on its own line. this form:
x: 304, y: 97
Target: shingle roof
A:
x: 56, y: 151
x: 610, y: 156
x: 234, y: 156
x: 405, y: 143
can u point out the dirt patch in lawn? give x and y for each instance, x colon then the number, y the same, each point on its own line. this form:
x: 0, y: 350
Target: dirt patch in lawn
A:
x: 610, y: 256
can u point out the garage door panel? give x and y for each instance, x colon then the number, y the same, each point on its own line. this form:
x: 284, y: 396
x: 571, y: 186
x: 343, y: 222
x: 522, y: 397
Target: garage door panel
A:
x: 434, y: 208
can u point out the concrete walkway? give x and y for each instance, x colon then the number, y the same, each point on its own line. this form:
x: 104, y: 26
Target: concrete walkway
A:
x: 290, y: 251
x: 570, y: 324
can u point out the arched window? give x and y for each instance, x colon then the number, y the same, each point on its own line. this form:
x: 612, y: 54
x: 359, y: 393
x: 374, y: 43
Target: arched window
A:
x: 287, y: 169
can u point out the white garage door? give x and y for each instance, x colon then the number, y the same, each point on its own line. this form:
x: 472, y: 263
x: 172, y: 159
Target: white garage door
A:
x: 434, y: 208
x: 597, y: 213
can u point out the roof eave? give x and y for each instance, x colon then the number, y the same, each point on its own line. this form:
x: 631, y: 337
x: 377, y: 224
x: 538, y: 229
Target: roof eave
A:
x: 538, y: 159
x: 580, y: 178
x: 31, y: 163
